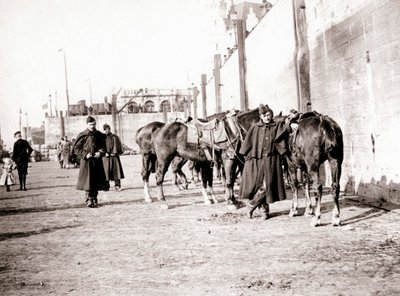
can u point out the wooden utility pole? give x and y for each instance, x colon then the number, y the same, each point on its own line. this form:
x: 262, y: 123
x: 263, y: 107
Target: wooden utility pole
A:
x: 302, y: 56
x: 204, y: 94
x: 62, y: 124
x: 217, y: 80
x: 195, y: 93
x: 114, y: 112
x: 241, y: 37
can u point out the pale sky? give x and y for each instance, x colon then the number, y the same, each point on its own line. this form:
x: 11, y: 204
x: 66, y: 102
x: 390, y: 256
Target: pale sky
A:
x: 113, y: 43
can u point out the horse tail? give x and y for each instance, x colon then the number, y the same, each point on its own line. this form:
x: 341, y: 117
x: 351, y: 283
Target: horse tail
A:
x: 329, y: 134
x: 137, y: 134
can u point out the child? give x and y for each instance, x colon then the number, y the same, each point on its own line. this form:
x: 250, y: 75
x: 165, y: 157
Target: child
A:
x: 7, y: 178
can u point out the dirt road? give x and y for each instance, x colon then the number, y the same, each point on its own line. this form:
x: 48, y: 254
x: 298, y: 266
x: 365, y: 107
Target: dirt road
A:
x: 50, y: 243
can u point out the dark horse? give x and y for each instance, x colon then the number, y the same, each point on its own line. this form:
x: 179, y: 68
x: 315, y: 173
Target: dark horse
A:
x: 318, y: 138
x: 144, y: 138
x: 235, y: 124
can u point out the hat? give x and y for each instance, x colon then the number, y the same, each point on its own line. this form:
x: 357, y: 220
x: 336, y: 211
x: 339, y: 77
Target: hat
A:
x: 105, y: 126
x: 16, y: 133
x: 90, y: 119
x: 264, y: 109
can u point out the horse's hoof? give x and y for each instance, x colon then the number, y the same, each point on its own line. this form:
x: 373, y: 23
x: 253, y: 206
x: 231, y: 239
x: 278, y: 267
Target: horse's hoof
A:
x: 307, y: 214
x: 207, y: 202
x: 164, y: 206
x: 293, y: 213
x: 233, y: 207
x: 215, y: 200
x: 148, y: 200
x: 336, y: 221
x: 315, y: 222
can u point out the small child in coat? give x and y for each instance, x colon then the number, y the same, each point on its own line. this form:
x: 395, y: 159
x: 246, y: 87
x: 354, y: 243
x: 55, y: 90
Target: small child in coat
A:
x: 7, y: 178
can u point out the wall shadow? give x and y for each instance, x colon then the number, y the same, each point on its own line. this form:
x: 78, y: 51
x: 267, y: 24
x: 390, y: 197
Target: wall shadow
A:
x: 382, y: 189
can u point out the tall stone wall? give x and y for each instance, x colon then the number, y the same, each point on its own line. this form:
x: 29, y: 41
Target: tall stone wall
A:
x: 355, y: 70
x: 354, y: 77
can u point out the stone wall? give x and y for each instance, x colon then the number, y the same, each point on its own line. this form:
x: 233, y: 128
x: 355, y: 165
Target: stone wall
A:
x: 354, y: 77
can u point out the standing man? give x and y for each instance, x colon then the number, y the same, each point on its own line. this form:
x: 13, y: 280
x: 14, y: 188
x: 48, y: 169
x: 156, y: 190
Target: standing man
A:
x: 21, y: 153
x: 262, y: 148
x: 90, y: 147
x: 111, y: 161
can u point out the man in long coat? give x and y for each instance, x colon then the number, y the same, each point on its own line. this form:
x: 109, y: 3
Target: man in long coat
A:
x: 111, y: 161
x: 262, y: 181
x: 90, y: 147
x: 21, y: 153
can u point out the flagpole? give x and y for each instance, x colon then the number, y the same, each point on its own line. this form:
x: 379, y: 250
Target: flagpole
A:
x: 51, y: 109
x: 20, y: 123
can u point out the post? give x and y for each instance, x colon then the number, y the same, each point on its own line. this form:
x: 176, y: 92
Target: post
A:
x: 302, y: 56
x: 62, y: 125
x: 20, y: 121
x: 195, y: 93
x: 66, y: 79
x: 114, y: 112
x: 241, y: 37
x: 217, y: 80
x: 56, y: 105
x: 189, y: 104
x: 51, y: 108
x: 204, y: 94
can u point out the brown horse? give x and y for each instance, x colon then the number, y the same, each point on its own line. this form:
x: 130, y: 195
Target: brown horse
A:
x: 318, y: 138
x: 172, y: 141
x: 144, y: 138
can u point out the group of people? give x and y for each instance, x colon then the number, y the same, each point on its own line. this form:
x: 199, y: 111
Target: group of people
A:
x: 262, y: 178
x: 98, y: 154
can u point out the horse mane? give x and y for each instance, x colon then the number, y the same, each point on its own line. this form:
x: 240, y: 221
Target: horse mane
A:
x: 244, y: 113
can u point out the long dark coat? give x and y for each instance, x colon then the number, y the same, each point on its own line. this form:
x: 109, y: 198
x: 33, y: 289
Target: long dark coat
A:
x: 112, y: 163
x: 91, y: 171
x: 21, y: 152
x: 262, y: 148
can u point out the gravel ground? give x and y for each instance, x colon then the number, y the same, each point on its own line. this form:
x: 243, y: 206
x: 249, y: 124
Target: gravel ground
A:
x: 50, y: 243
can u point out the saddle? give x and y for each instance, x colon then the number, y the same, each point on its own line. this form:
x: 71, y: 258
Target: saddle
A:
x: 207, y: 135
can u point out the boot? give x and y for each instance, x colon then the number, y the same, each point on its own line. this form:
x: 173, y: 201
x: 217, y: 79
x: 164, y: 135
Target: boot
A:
x: 7, y: 188
x: 21, y: 182
x: 89, y: 200
x: 24, y: 182
x: 95, y: 201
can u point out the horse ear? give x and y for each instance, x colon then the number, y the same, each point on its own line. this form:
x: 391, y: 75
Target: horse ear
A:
x: 280, y: 114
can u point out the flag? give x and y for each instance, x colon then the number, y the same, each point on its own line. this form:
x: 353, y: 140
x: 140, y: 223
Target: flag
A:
x: 45, y: 106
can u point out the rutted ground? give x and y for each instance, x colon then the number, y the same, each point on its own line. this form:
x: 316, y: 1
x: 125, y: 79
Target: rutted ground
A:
x: 50, y: 243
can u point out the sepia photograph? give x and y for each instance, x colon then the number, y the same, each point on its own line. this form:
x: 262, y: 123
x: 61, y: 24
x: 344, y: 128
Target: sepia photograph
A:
x: 200, y: 147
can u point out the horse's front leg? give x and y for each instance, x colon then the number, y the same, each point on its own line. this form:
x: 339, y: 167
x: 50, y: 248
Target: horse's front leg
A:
x: 230, y: 166
x: 207, y: 184
x: 160, y: 173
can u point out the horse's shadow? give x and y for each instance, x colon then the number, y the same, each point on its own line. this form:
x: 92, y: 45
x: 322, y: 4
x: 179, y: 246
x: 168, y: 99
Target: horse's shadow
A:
x: 373, y: 211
